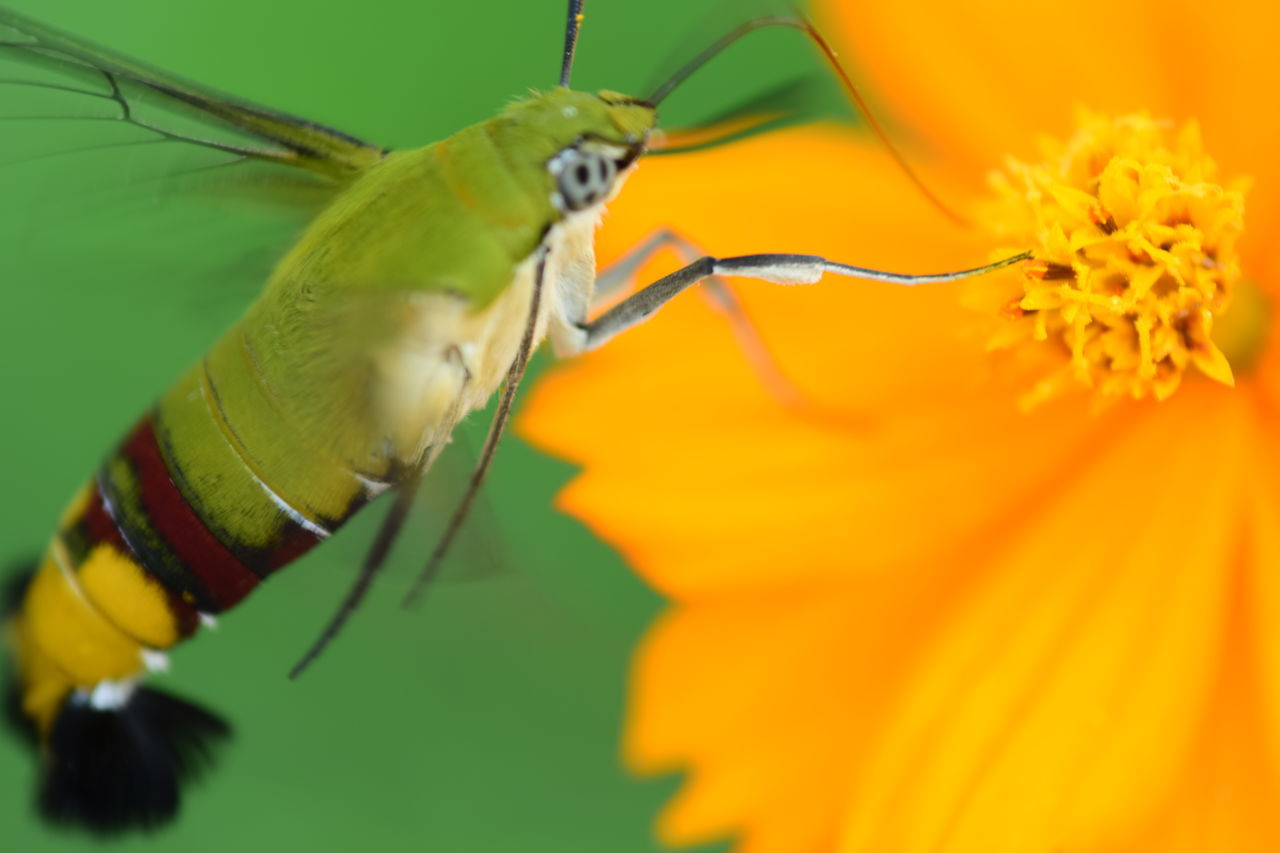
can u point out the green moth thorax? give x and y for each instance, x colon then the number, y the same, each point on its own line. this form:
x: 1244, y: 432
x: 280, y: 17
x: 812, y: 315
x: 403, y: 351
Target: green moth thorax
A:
x: 416, y: 279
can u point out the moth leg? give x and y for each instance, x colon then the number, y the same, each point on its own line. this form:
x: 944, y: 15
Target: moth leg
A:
x: 392, y: 523
x: 638, y: 307
x: 718, y: 293
x: 776, y: 268
x: 515, y: 373
x: 621, y: 271
x: 624, y: 269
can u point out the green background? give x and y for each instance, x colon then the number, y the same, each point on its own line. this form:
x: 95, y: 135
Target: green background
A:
x: 486, y: 721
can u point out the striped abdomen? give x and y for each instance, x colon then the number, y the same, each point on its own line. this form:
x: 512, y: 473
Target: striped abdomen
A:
x: 208, y: 495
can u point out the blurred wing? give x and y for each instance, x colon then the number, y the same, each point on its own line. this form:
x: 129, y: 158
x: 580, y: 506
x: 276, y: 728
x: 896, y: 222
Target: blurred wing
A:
x: 795, y: 101
x: 69, y: 73
x: 480, y: 552
x: 248, y: 131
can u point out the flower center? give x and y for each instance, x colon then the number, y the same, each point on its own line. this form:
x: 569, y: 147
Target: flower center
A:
x: 1135, y: 255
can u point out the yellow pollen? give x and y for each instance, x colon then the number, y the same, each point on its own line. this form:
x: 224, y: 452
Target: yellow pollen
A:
x: 1135, y: 255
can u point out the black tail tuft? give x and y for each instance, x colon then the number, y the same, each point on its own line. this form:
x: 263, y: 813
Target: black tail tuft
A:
x: 120, y: 769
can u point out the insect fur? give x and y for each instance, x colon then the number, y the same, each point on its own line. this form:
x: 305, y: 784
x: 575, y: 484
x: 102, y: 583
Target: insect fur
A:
x: 419, y: 290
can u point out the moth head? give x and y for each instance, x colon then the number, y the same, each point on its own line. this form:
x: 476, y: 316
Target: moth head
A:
x: 583, y: 144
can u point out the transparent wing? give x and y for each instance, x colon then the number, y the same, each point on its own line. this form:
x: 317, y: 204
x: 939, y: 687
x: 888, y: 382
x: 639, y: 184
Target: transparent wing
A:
x: 72, y: 67
x: 792, y: 102
x: 480, y: 552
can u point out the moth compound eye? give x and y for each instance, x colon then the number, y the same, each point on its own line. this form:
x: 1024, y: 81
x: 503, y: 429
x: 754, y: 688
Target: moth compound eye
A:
x: 583, y: 178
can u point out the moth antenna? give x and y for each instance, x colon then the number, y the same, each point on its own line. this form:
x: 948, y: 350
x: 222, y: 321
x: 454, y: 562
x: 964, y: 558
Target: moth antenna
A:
x: 572, y: 26
x: 865, y: 111
x: 799, y: 22
x: 496, y: 428
x: 715, y: 49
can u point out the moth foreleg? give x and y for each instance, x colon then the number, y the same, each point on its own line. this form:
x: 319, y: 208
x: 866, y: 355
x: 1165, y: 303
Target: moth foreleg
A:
x: 717, y: 291
x: 788, y: 269
x: 613, y: 279
x: 621, y: 271
x: 776, y: 268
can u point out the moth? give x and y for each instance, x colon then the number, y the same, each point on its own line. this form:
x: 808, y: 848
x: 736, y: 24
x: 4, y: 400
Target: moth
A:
x: 418, y: 292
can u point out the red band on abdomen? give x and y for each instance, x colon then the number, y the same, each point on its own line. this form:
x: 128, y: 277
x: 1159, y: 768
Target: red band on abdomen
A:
x: 220, y: 573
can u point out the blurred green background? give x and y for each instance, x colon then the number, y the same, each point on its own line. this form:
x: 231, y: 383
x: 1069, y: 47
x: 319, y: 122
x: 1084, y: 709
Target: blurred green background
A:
x: 486, y: 721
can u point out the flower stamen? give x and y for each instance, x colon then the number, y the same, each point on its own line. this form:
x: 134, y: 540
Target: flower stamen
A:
x: 1046, y: 271
x: 1104, y: 220
x: 1135, y: 255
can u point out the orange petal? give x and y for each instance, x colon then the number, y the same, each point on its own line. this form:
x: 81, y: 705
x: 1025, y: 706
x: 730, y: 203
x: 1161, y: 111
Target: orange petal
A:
x: 1263, y: 555
x: 1266, y: 371
x: 736, y: 498
x: 980, y: 80
x: 819, y: 188
x: 765, y: 699
x: 1237, y: 99
x: 1059, y: 703
x: 1225, y: 800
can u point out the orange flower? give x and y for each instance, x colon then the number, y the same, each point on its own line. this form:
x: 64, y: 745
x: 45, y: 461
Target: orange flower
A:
x: 1008, y: 581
